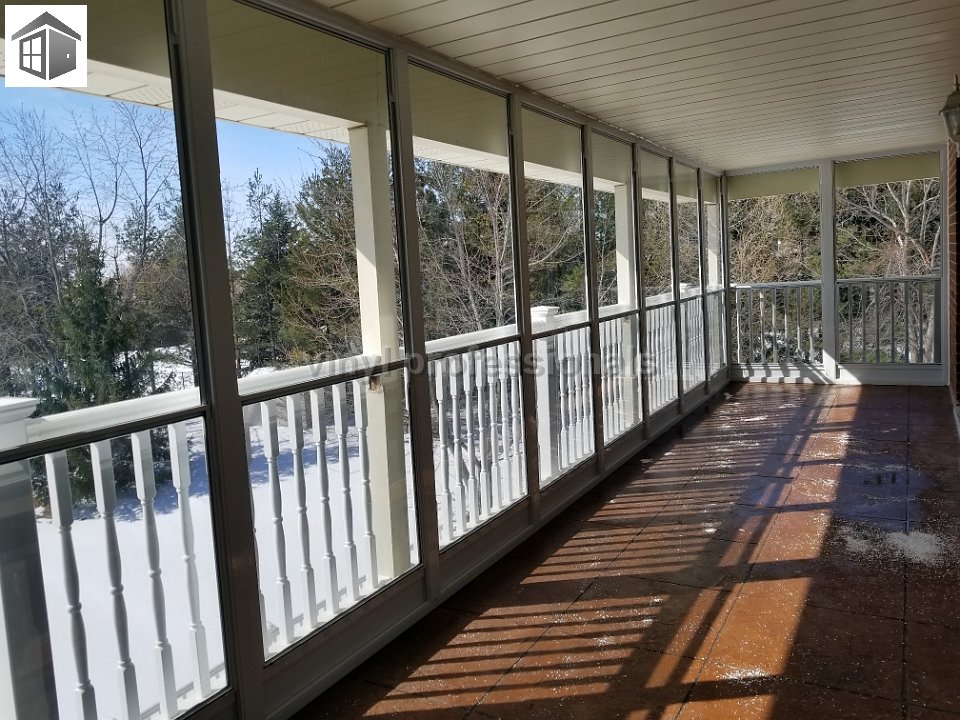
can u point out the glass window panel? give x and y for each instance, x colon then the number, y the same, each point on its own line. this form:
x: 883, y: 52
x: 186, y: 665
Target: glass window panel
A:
x: 712, y: 247
x: 657, y: 260
x: 613, y: 217
x: 463, y: 202
x: 554, y: 189
x: 307, y: 191
x: 124, y: 538
x: 688, y: 231
x: 345, y: 450
x: 656, y: 238
x: 303, y: 129
x: 94, y: 288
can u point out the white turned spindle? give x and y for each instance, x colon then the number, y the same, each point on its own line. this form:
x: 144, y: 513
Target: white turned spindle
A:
x: 61, y: 510
x: 490, y: 364
x: 271, y: 451
x: 248, y: 424
x: 459, y: 476
x: 516, y: 418
x: 576, y: 414
x: 341, y: 423
x: 566, y: 432
x: 295, y: 430
x: 180, y: 469
x: 363, y: 452
x: 101, y: 462
x: 486, y: 488
x: 473, y: 483
x: 586, y: 393
x: 147, y: 493
x: 503, y: 366
x: 330, y: 584
x: 439, y: 386
x: 605, y: 371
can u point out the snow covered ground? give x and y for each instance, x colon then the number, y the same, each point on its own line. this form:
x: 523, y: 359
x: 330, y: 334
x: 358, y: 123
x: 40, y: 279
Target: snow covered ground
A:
x: 98, y: 613
x: 88, y: 534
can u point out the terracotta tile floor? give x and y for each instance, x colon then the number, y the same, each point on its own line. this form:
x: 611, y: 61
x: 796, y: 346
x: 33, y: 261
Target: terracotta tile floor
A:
x: 796, y: 554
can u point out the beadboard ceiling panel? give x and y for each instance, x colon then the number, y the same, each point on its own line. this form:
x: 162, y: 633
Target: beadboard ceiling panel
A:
x: 733, y: 83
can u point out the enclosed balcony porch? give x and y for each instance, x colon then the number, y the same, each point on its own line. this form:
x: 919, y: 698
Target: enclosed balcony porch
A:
x: 343, y: 377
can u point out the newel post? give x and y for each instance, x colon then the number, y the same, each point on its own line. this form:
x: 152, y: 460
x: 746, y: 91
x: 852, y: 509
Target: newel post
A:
x: 27, y: 687
x: 548, y: 391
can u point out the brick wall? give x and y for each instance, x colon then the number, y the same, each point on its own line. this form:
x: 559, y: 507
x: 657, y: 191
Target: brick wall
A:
x: 953, y: 338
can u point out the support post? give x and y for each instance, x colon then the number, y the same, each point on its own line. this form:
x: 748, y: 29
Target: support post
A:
x: 828, y: 270
x: 627, y: 297
x: 27, y: 687
x: 369, y: 167
x: 548, y: 392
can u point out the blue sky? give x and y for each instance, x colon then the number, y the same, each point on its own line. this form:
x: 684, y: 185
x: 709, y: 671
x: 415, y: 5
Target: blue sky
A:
x: 282, y: 158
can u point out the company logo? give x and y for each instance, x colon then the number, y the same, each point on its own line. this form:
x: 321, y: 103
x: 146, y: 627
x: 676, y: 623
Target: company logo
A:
x: 45, y: 45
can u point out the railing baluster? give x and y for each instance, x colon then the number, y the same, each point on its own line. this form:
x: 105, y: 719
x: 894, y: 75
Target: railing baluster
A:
x: 295, y: 430
x: 439, y: 386
x: 147, y: 493
x: 248, y: 422
x: 180, y: 470
x: 341, y: 424
x: 361, y: 420
x: 486, y: 488
x: 459, y: 481
x: 563, y: 408
x: 921, y: 340
x: 331, y: 584
x: 101, y: 461
x: 490, y: 365
x: 892, y: 288
x: 906, y: 321
x: 505, y: 427
x: 586, y: 394
x: 876, y: 312
x: 271, y: 452
x: 473, y: 484
x: 61, y: 510
x: 516, y: 415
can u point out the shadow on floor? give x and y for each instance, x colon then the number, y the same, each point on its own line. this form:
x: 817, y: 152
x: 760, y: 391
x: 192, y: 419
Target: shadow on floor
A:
x: 793, y: 555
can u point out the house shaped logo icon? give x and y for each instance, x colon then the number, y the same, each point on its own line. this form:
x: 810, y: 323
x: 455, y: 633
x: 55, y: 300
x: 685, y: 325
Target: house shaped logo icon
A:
x: 47, y: 47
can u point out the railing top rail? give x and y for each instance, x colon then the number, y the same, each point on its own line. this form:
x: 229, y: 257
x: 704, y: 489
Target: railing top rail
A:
x: 786, y: 283
x: 898, y: 278
x: 449, y: 345
x: 115, y: 414
x: 256, y: 385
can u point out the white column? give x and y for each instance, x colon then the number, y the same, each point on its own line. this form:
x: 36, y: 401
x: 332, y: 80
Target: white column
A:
x: 828, y: 270
x: 548, y: 392
x: 26, y: 667
x: 378, y: 323
x: 626, y: 248
x: 627, y: 295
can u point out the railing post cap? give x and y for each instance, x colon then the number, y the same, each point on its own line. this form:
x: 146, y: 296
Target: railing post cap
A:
x: 13, y: 409
x: 544, y: 311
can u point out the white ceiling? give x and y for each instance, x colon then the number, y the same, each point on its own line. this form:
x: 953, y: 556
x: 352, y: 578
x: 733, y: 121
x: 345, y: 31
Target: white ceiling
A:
x: 732, y: 83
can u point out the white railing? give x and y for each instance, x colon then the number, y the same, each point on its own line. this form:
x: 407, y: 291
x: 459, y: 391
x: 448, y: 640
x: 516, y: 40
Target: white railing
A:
x: 889, y: 320
x: 325, y: 493
x: 661, y: 355
x: 777, y: 323
x: 478, y: 435
x: 879, y: 321
x: 128, y: 605
x: 691, y: 332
